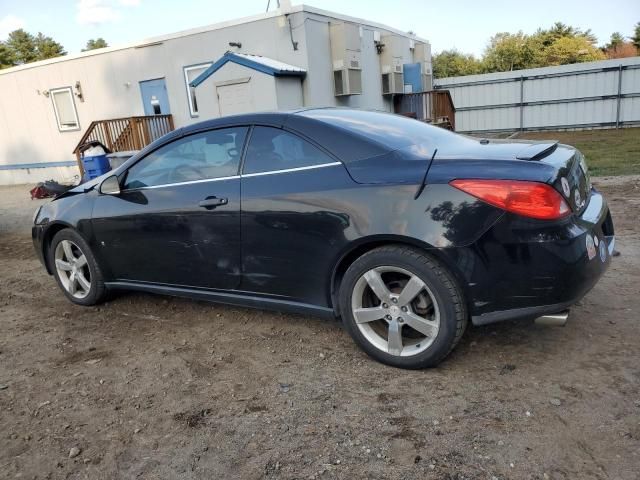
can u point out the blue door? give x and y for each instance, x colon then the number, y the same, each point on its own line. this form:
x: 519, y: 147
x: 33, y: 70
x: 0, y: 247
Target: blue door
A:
x: 154, y: 97
x: 412, y: 77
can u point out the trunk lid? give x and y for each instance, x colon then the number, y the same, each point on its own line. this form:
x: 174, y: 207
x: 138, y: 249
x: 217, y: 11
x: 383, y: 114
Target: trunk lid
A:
x: 570, y: 177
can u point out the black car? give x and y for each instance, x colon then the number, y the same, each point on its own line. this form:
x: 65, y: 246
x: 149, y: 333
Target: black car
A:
x: 405, y: 230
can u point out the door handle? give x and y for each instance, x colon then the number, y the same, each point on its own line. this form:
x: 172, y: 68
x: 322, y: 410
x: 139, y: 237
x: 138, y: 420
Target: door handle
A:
x: 212, y: 202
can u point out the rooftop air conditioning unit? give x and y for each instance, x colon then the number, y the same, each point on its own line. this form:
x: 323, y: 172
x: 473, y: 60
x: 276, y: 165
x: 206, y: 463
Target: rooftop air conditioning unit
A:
x: 346, y: 57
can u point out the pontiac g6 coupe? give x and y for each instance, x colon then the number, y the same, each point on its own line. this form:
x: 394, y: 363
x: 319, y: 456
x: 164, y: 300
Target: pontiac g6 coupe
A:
x: 404, y: 230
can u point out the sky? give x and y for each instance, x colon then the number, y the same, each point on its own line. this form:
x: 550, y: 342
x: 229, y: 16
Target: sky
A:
x: 465, y: 25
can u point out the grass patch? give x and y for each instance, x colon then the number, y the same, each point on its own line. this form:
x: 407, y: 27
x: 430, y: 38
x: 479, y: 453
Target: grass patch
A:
x: 608, y: 152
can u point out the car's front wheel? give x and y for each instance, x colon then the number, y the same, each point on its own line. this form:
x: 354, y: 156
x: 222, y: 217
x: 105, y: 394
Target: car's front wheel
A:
x: 402, y: 307
x: 76, y: 269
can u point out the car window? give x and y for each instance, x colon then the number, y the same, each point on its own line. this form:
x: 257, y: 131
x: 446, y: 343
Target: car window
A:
x: 200, y: 156
x: 275, y: 149
x: 392, y: 131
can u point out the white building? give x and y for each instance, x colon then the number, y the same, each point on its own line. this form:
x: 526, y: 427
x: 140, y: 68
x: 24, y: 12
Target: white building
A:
x: 289, y: 58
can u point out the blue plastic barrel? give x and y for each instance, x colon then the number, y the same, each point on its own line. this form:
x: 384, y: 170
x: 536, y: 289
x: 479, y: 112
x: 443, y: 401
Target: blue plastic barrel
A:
x: 94, y: 166
x: 95, y: 162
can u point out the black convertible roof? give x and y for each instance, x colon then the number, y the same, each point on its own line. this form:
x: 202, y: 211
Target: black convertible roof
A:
x: 349, y: 134
x: 342, y: 143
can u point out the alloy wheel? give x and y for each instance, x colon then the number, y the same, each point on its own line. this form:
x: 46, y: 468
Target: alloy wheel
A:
x: 72, y: 269
x: 395, y: 311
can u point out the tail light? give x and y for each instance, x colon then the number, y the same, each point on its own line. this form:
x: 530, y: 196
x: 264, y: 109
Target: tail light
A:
x: 530, y: 199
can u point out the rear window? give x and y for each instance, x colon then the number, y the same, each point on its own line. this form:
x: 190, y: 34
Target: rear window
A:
x: 392, y: 131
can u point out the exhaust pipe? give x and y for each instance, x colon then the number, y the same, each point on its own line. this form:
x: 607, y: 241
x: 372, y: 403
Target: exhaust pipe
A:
x: 556, y: 319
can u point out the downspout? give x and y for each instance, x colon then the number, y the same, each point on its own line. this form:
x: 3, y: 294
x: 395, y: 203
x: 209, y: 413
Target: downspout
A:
x: 293, y: 42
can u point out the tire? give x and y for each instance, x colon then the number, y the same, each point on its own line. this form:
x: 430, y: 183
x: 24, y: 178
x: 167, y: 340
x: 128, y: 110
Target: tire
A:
x: 419, y: 293
x: 80, y: 278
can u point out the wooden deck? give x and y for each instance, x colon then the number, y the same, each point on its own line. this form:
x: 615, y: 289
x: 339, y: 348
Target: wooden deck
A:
x: 435, y: 107
x: 125, y: 134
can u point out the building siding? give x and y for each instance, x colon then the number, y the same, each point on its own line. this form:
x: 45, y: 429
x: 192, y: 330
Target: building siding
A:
x: 110, y: 82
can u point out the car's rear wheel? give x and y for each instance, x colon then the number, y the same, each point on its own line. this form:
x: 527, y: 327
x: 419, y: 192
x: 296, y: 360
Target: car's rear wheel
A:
x: 76, y: 269
x: 402, y: 307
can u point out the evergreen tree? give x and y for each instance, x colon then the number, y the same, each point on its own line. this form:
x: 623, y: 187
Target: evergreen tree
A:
x: 6, y: 56
x: 616, y: 40
x: 97, y: 43
x: 23, y: 47
x: 636, y: 36
x: 47, y: 47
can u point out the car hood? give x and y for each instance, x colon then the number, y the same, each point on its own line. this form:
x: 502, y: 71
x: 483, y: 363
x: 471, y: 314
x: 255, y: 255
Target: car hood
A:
x: 85, y: 187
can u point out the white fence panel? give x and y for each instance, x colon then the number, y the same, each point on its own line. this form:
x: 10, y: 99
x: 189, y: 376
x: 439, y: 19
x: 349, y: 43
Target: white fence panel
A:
x: 585, y: 95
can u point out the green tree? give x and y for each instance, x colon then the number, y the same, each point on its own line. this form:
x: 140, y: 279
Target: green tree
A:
x: 22, y: 46
x: 572, y: 50
x: 558, y: 45
x: 6, y: 56
x: 618, y: 47
x: 636, y: 36
x: 97, y: 43
x: 560, y: 30
x: 616, y: 40
x: 508, y: 51
x: 589, y: 36
x: 47, y: 47
x: 452, y: 63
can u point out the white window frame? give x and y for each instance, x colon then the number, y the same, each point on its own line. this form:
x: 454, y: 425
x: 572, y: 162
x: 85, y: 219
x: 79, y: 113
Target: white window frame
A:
x: 185, y: 71
x: 61, y: 127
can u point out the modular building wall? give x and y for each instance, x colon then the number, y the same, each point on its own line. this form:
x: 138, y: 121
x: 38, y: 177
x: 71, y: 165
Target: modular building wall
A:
x: 106, y: 83
x: 603, y: 94
x: 110, y: 84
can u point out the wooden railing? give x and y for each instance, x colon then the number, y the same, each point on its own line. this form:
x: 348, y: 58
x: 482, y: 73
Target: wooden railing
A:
x: 434, y: 106
x: 124, y: 134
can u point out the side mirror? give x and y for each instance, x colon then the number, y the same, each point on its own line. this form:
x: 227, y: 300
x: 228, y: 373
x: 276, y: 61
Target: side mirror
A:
x: 110, y: 186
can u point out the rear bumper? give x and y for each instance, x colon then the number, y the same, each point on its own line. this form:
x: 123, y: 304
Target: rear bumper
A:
x: 524, y: 268
x: 520, y: 313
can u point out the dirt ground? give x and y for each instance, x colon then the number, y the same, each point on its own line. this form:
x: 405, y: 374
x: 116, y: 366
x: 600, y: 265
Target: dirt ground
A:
x: 154, y: 388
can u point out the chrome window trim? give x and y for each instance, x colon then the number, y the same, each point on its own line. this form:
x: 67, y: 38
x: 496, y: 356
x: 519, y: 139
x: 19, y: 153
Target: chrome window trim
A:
x: 235, y: 177
x: 288, y: 170
x: 190, y: 182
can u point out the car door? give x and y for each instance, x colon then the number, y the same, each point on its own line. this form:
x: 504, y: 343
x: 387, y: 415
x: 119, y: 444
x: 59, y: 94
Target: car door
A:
x: 293, y: 221
x: 176, y: 220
